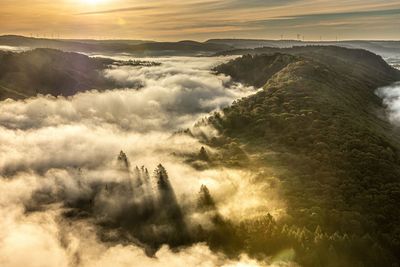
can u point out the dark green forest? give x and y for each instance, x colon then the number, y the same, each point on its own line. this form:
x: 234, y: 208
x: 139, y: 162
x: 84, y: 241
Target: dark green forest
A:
x: 318, y: 126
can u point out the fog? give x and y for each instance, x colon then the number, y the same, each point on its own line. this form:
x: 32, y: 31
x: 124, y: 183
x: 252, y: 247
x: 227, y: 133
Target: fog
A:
x: 391, y: 99
x: 56, y: 153
x: 13, y: 48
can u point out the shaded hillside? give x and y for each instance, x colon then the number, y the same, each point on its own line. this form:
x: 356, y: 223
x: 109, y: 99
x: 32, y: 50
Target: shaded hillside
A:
x: 47, y: 71
x: 319, y: 128
x: 139, y: 48
x: 256, y: 71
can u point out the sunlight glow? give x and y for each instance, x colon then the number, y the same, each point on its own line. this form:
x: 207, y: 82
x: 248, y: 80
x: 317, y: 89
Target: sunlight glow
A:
x: 93, y: 2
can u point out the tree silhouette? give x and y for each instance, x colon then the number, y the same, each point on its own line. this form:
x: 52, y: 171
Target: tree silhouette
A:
x: 205, y: 200
x: 203, y: 155
x: 123, y: 159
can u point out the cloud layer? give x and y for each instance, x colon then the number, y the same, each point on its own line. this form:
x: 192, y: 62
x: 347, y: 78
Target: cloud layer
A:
x: 174, y: 95
x: 56, y: 153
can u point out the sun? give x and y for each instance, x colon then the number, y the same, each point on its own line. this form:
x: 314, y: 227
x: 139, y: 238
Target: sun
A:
x: 94, y: 2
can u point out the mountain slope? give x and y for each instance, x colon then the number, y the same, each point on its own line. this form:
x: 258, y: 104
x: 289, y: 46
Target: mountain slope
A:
x: 47, y: 71
x: 318, y: 126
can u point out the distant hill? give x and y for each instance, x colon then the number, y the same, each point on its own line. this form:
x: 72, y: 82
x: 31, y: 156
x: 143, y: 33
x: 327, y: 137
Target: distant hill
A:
x: 255, y: 43
x: 47, y: 71
x: 138, y: 48
x: 318, y: 127
x: 383, y: 48
x: 187, y: 47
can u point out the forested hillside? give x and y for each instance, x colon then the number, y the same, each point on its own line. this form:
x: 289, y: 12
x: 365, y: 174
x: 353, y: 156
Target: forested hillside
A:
x: 318, y: 126
x: 54, y: 72
x: 47, y: 71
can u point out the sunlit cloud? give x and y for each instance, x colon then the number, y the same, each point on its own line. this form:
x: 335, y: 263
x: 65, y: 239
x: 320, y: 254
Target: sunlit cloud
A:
x: 175, y: 20
x: 59, y: 149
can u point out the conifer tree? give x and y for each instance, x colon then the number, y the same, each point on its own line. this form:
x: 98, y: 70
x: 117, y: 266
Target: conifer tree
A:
x: 205, y: 200
x: 123, y: 159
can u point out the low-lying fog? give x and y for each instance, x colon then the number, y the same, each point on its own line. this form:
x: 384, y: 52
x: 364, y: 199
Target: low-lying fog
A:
x: 54, y: 150
x: 391, y: 99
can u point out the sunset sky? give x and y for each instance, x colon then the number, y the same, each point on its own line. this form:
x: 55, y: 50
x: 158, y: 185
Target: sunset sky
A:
x: 201, y: 20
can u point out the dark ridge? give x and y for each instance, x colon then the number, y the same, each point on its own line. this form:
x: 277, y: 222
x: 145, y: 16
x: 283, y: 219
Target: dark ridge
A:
x: 319, y: 127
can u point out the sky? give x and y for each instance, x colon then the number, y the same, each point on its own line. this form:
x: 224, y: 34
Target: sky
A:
x: 170, y: 20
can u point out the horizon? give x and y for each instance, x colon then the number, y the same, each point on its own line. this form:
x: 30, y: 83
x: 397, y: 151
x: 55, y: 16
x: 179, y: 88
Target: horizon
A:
x: 199, y: 40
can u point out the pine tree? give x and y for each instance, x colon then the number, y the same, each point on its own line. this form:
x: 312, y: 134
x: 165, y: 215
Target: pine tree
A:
x: 123, y: 159
x: 205, y: 200
x: 162, y: 178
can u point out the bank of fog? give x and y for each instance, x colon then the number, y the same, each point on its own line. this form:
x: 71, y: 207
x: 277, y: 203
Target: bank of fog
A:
x: 62, y: 171
x: 391, y: 99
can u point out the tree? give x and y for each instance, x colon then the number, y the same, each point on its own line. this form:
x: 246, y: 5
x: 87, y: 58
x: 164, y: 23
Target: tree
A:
x: 162, y: 178
x: 123, y: 160
x: 205, y: 200
x: 203, y: 155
